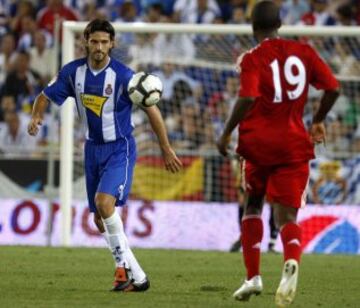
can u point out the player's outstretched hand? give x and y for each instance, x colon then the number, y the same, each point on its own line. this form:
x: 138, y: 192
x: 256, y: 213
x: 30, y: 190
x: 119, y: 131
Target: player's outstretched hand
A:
x: 317, y: 132
x: 172, y: 162
x: 33, y: 126
x: 223, y: 144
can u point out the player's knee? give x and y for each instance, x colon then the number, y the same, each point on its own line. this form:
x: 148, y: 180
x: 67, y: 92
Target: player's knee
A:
x: 254, y: 205
x: 98, y: 203
x: 104, y: 204
x: 286, y: 218
x: 251, y: 210
x: 284, y: 215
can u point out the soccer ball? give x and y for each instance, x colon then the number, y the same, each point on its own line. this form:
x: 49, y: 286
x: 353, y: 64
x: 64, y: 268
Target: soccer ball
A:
x: 145, y: 89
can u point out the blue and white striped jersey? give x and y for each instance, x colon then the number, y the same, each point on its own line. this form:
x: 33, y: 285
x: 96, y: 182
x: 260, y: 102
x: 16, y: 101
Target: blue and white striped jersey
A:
x: 101, y: 97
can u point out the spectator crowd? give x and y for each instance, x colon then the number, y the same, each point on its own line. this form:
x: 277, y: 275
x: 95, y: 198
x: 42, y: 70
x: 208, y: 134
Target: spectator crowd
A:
x: 196, y: 100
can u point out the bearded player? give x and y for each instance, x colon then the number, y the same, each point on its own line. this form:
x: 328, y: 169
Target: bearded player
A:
x: 98, y: 83
x: 274, y: 82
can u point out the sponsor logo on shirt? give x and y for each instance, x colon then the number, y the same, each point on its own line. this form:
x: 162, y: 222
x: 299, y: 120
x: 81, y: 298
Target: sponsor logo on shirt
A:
x: 93, y: 102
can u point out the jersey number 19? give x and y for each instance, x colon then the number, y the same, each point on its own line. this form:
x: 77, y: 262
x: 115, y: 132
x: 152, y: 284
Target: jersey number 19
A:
x: 297, y: 79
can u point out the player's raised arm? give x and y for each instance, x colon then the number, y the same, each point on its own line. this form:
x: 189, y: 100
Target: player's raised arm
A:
x: 37, y: 115
x: 239, y: 111
x: 172, y: 162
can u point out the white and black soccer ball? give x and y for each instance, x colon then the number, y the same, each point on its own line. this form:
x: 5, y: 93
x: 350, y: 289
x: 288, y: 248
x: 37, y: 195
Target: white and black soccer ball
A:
x: 145, y: 89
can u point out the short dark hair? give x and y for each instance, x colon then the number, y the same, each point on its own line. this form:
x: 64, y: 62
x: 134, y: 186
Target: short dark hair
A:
x: 265, y: 16
x: 345, y: 11
x: 101, y: 25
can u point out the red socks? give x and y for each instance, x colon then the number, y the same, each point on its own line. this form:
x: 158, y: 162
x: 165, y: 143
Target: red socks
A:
x: 251, y: 236
x: 291, y: 239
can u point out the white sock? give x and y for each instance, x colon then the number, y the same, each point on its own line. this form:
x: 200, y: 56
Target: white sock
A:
x: 105, y: 237
x: 137, y: 272
x: 114, y: 229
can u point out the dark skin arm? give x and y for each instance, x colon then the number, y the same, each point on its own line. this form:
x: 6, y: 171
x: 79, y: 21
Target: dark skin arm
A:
x: 317, y: 129
x: 242, y: 106
x: 37, y: 115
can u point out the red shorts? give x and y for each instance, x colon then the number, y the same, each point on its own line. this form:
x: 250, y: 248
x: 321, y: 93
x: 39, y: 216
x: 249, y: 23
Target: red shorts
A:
x: 283, y: 184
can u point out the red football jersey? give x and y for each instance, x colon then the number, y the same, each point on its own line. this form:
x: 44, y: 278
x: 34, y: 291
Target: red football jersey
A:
x: 277, y: 73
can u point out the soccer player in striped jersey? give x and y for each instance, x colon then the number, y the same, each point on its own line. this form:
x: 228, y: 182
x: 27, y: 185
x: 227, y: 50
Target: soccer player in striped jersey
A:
x: 274, y: 83
x: 99, y: 85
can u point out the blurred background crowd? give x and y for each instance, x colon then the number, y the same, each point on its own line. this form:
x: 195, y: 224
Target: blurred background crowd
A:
x: 197, y: 97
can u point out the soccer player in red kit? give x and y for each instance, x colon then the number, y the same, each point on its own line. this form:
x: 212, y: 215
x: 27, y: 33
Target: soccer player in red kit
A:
x: 274, y: 82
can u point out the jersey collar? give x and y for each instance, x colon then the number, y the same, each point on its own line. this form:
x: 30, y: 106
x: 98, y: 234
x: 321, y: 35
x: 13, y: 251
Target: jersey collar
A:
x: 97, y: 72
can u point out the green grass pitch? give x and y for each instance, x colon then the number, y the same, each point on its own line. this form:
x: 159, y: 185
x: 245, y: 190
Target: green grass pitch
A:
x: 81, y: 277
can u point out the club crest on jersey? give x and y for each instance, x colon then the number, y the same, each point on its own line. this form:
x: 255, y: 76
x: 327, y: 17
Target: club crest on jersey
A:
x: 108, y: 89
x: 93, y: 102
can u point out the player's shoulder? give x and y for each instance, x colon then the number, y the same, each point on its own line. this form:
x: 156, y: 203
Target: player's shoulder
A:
x: 118, y: 66
x: 122, y: 71
x: 245, y: 59
x: 300, y: 45
x: 254, y: 55
x: 72, y: 66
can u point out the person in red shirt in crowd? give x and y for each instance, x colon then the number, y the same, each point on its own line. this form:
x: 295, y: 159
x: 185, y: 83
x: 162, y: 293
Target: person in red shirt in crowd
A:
x: 54, y: 8
x: 24, y: 9
x: 356, y: 6
x: 274, y: 82
x: 319, y: 15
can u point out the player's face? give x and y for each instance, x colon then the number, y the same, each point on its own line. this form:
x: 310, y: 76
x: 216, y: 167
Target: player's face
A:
x: 98, y: 46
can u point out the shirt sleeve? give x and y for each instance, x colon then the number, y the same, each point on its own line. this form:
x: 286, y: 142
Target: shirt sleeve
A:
x: 127, y: 74
x: 59, y: 89
x: 321, y: 76
x: 249, y: 78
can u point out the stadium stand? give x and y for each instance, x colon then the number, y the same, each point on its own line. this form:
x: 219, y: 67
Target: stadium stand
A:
x: 190, y: 102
